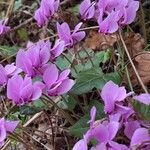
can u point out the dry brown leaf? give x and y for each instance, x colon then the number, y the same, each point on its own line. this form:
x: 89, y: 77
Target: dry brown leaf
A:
x: 142, y: 64
x: 98, y: 41
x: 135, y: 43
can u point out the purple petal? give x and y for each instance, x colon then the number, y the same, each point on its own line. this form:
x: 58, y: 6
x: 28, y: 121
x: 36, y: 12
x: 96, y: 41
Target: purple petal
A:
x: 65, y: 86
x: 3, y: 75
x: 87, y: 9
x: 93, y: 116
x: 50, y: 75
x: 64, y: 32
x: 63, y: 75
x: 40, y: 18
x: 11, y: 69
x: 58, y: 48
x: 13, y: 89
x: 77, y: 37
x: 25, y: 64
x: 116, y: 146
x: 11, y: 125
x: 101, y: 133
x: 45, y: 53
x: 2, y: 130
x: 25, y: 94
x: 113, y: 128
x: 140, y: 135
x: 80, y: 145
x: 130, y: 127
x: 37, y: 92
x: 143, y: 98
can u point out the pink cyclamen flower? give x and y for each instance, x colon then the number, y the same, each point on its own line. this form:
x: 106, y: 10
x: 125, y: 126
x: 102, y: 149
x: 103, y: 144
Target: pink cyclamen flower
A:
x: 7, y: 72
x: 57, y: 83
x: 57, y: 49
x: 46, y: 11
x: 87, y: 9
x: 111, y: 14
x: 104, y: 133
x: 65, y: 34
x: 34, y: 60
x: 3, y: 28
x: 22, y: 91
x: 111, y: 94
x: 143, y: 98
x: 5, y: 128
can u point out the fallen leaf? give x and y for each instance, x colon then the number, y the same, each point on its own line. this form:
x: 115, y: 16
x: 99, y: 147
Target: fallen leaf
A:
x: 98, y: 41
x: 142, y: 64
x: 135, y: 43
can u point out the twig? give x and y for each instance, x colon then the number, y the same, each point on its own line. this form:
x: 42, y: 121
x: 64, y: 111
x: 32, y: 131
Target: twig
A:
x: 10, y: 8
x: 132, y: 64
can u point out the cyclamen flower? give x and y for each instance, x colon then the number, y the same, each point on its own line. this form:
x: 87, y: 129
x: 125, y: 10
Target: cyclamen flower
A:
x: 57, y: 83
x: 46, y: 11
x: 111, y: 95
x: 7, y: 72
x: 87, y: 9
x: 35, y: 59
x: 118, y: 13
x: 5, y: 128
x: 104, y: 133
x: 3, y: 28
x: 69, y: 38
x: 22, y: 91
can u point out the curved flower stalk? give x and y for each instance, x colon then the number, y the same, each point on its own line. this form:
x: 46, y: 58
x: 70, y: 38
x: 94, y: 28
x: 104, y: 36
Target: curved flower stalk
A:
x: 3, y: 28
x: 7, y: 72
x: 46, y: 11
x: 57, y: 83
x: 69, y: 38
x: 5, y: 128
x: 21, y: 90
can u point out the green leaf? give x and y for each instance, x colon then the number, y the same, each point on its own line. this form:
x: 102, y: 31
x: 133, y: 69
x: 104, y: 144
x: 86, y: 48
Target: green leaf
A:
x: 6, y: 51
x: 75, y: 9
x: 143, y: 111
x: 80, y: 127
x: 39, y: 104
x: 62, y: 62
x: 23, y: 34
x: 99, y: 107
x: 69, y: 103
x: 17, y: 5
x: 103, y: 56
x: 29, y: 110
x: 93, y: 78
